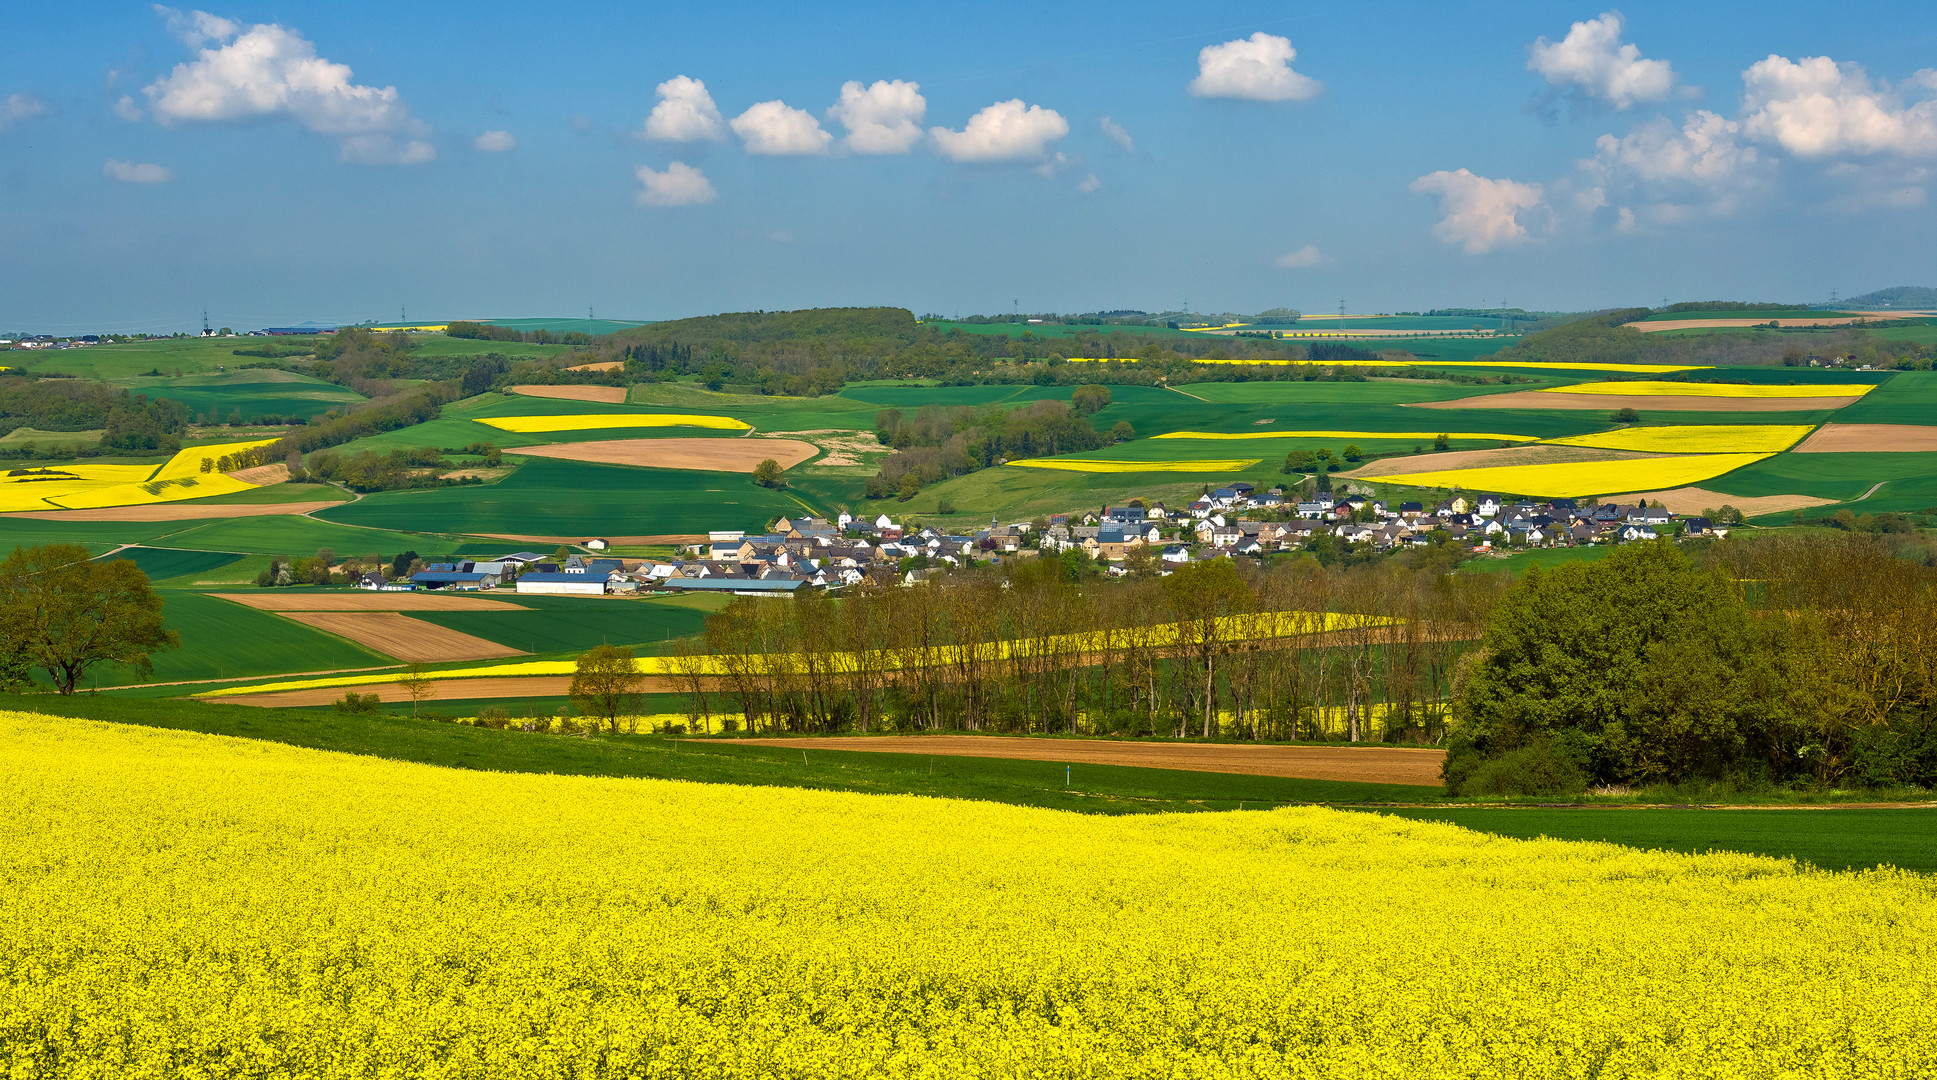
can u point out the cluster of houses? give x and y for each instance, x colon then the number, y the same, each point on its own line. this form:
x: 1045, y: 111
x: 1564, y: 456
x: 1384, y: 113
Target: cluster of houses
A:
x: 1231, y: 522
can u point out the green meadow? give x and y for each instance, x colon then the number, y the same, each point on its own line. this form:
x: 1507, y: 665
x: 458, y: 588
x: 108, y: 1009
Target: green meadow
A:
x: 549, y: 624
x: 224, y: 640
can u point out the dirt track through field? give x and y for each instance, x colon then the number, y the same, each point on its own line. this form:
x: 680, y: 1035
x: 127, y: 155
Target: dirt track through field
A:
x: 1371, y: 765
x: 365, y: 601
x: 174, y: 512
x: 1643, y: 403
x: 407, y: 639
x: 1482, y: 459
x: 1694, y: 500
x: 611, y: 395
x: 1872, y: 438
x: 713, y: 455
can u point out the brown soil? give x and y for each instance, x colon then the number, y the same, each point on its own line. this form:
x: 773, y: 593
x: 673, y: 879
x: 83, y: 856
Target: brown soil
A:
x: 263, y: 475
x: 477, y: 474
x: 1645, y: 403
x: 1697, y: 324
x: 1482, y: 459
x: 603, y: 365
x: 1694, y: 500
x: 515, y: 686
x: 366, y: 601
x: 715, y: 455
x: 407, y: 639
x: 844, y: 447
x: 574, y: 541
x: 611, y: 395
x: 1373, y: 765
x: 1887, y: 438
x: 174, y: 512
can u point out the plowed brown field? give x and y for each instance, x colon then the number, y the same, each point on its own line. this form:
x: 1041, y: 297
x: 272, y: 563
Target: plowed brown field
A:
x: 611, y: 395
x: 1373, y: 765
x: 401, y: 636
x: 1644, y: 403
x: 174, y: 512
x: 366, y: 601
x: 1885, y: 438
x: 1481, y: 459
x: 1694, y: 500
x: 603, y: 365
x: 716, y: 455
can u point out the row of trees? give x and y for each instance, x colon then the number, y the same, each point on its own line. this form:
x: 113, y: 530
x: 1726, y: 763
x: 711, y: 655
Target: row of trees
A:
x: 938, y: 442
x: 1147, y: 655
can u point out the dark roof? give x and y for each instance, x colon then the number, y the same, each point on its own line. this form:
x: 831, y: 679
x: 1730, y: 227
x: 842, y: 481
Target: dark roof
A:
x: 447, y: 577
x: 542, y: 576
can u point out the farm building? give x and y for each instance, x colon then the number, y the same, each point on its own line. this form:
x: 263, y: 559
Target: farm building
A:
x: 463, y: 575
x: 737, y: 586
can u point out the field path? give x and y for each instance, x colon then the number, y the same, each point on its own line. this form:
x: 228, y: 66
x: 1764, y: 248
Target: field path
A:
x: 1874, y: 488
x: 1186, y: 393
x: 1368, y: 764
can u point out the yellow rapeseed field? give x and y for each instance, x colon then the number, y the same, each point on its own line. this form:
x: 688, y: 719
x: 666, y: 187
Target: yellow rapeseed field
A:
x: 1697, y: 438
x: 1704, y: 389
x: 1092, y: 466
x: 1415, y: 435
x: 530, y: 425
x: 1270, y: 624
x: 83, y: 487
x: 1570, y: 479
x: 1535, y: 365
x: 183, y: 905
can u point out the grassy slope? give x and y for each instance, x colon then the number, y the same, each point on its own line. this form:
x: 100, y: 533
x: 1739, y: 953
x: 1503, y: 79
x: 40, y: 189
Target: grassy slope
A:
x: 1910, y: 397
x: 1833, y: 840
x: 223, y: 640
x: 256, y: 392
x: 562, y: 623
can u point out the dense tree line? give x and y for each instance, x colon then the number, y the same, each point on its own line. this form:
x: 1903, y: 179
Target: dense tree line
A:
x: 1086, y: 654
x: 129, y: 421
x: 1603, y: 339
x: 1790, y: 660
x: 939, y: 442
x: 540, y: 336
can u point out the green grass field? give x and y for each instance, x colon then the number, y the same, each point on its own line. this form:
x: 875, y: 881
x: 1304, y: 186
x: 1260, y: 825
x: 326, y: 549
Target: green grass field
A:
x: 573, y: 624
x: 1546, y: 559
x: 547, y: 497
x: 1910, y: 397
x: 254, y: 392
x: 292, y: 536
x: 22, y: 435
x: 160, y: 564
x: 1836, y: 476
x: 225, y: 640
x: 1831, y: 839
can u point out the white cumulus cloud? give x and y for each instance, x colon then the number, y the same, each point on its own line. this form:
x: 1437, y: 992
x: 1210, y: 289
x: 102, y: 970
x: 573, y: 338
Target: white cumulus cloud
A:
x: 1594, y: 61
x: 881, y: 119
x: 126, y: 109
x: 1480, y: 213
x: 773, y: 127
x: 1005, y: 131
x: 1816, y: 108
x: 131, y: 173
x: 267, y: 71
x: 17, y: 107
x: 1658, y: 165
x: 679, y: 185
x: 1117, y: 134
x: 496, y: 142
x: 1309, y: 255
x: 1090, y: 185
x: 1257, y: 68
x: 685, y: 113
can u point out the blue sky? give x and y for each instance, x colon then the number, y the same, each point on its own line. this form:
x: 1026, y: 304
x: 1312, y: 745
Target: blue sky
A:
x: 337, y: 162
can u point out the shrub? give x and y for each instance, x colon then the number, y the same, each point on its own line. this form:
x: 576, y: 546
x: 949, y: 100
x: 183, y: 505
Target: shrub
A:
x: 353, y: 702
x: 1541, y: 769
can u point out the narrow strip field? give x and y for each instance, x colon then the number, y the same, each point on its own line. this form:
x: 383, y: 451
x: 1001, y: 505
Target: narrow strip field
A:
x: 1427, y: 436
x: 267, y: 600
x: 1858, y: 438
x: 1213, y: 465
x: 1694, y: 500
x: 1372, y: 764
x: 1482, y: 459
x: 1698, y: 439
x: 1571, y: 479
x: 407, y: 639
x: 1645, y: 388
x: 1551, y: 399
x: 529, y: 686
x: 611, y: 395
x: 533, y: 425
x: 177, y: 511
x: 711, y: 455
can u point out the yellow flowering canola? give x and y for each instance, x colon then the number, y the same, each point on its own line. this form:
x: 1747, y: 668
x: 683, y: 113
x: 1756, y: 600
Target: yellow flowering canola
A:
x: 528, y: 425
x: 1701, y: 389
x: 1270, y: 624
x: 1569, y: 479
x: 1082, y: 465
x: 1697, y: 438
x: 85, y: 487
x: 184, y: 905
x: 1427, y: 435
x: 1536, y: 365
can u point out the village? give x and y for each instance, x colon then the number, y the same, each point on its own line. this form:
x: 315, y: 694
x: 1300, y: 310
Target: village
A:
x: 1236, y: 521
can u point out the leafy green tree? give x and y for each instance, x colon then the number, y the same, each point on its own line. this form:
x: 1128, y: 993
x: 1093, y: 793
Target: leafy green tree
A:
x: 401, y: 564
x: 606, y: 684
x: 1353, y: 453
x: 1089, y: 400
x: 1638, y: 668
x: 1625, y: 416
x: 769, y: 474
x: 1122, y: 432
x: 63, y: 613
x: 1442, y: 443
